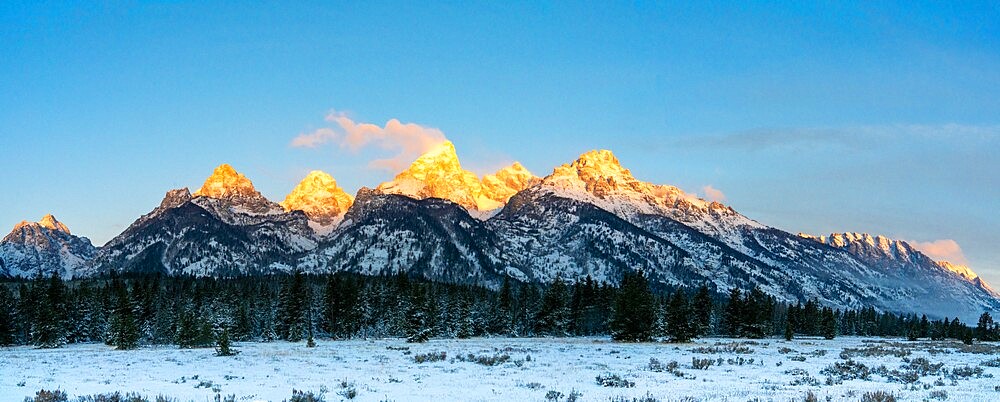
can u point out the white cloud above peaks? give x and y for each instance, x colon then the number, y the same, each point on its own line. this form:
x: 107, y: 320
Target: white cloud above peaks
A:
x: 407, y: 140
x: 713, y: 194
x: 942, y: 250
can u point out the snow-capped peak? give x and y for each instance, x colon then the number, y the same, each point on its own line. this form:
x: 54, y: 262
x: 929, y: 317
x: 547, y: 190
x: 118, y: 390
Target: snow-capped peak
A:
x: 438, y: 174
x: 598, y: 173
x: 319, y: 196
x: 49, y: 222
x: 598, y: 178
x: 43, y: 247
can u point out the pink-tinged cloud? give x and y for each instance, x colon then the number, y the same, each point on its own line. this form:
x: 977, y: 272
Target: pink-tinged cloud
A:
x: 408, y: 140
x: 941, y: 250
x: 314, y: 139
x: 713, y: 194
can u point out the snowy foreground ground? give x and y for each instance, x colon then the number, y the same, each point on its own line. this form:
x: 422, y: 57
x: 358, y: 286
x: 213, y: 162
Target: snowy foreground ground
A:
x: 386, y: 370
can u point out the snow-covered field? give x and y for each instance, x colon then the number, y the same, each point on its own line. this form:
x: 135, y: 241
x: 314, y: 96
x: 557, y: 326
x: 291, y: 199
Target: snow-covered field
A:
x: 381, y: 370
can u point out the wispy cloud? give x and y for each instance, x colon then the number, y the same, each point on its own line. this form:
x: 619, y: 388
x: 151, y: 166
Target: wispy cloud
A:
x: 713, y: 194
x: 407, y: 140
x: 314, y: 139
x: 944, y: 249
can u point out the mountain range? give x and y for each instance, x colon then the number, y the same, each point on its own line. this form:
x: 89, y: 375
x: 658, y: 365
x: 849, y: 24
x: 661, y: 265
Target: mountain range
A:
x: 590, y: 217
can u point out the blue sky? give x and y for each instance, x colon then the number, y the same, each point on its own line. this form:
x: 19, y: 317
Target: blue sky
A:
x: 816, y: 117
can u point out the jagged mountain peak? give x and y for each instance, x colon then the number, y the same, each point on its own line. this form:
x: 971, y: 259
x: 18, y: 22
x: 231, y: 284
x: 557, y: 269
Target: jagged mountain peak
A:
x: 961, y: 270
x: 598, y: 172
x: 229, y: 190
x: 844, y: 239
x: 865, y: 243
x: 175, y: 198
x: 443, y: 151
x: 225, y: 182
x: 598, y: 157
x: 886, y: 248
x: 439, y: 174
x: 319, y: 196
x: 49, y: 222
x: 507, y: 181
x: 439, y: 161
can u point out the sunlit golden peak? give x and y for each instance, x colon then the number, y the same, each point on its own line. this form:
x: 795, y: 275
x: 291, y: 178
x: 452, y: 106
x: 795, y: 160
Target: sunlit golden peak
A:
x: 598, y: 156
x: 319, y: 197
x: 225, y: 182
x: 439, y: 174
x: 961, y: 270
x: 444, y: 148
x: 49, y: 222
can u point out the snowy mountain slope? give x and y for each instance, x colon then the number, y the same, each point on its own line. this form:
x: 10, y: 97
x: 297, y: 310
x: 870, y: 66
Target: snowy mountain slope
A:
x: 923, y: 284
x: 44, y: 247
x: 747, y: 252
x: 433, y: 238
x: 227, y: 229
x: 548, y: 236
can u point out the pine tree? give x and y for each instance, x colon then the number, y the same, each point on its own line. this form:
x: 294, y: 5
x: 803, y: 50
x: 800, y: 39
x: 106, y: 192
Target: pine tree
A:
x: 7, y: 317
x: 310, y: 341
x: 341, y: 315
x: 757, y: 310
x: 956, y: 329
x: 734, y: 314
x: 594, y: 308
x: 503, y: 321
x: 679, y: 322
x: 925, y: 327
x: 811, y: 317
x: 124, y: 331
x: 418, y: 329
x: 49, y: 328
x: 222, y: 346
x: 294, y: 303
x: 553, y: 316
x: 193, y: 330
x: 464, y: 322
x: 789, y: 331
x: 984, y: 327
x: 702, y: 305
x: 634, y: 313
x: 828, y: 323
x: 913, y: 331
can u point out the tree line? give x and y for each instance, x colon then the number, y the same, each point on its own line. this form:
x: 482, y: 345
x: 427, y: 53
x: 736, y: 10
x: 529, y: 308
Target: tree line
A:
x: 190, y: 312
